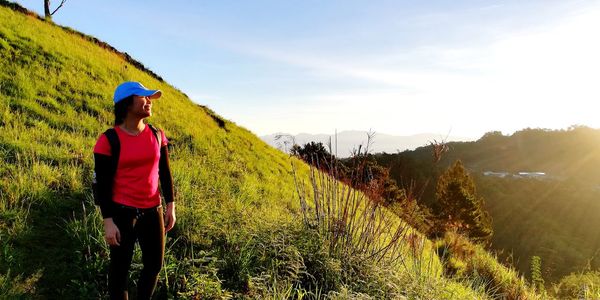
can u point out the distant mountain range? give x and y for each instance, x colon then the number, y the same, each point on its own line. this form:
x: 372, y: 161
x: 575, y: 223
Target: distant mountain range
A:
x: 351, y: 139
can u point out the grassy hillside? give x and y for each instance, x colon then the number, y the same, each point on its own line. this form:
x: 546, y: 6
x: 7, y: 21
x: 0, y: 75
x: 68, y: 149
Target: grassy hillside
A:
x: 239, y: 232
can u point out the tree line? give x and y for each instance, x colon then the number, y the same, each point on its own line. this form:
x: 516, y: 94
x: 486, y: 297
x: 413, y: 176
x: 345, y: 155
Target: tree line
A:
x: 457, y: 208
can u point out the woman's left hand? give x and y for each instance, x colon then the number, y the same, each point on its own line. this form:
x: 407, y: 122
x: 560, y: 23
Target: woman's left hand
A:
x: 170, y: 216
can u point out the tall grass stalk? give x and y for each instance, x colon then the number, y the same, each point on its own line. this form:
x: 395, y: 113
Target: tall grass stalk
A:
x: 352, y: 223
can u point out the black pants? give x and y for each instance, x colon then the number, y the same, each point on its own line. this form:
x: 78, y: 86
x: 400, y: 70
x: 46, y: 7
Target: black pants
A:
x: 147, y: 228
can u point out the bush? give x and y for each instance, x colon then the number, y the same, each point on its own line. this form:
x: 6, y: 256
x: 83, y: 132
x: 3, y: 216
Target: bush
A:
x: 470, y: 263
x: 18, y: 287
x: 579, y: 286
x: 277, y: 258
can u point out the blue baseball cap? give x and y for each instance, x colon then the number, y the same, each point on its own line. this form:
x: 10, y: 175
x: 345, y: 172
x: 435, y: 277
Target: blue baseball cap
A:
x: 131, y: 88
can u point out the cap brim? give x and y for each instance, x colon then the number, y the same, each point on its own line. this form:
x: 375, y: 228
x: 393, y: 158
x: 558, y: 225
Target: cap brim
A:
x: 152, y: 94
x: 156, y: 95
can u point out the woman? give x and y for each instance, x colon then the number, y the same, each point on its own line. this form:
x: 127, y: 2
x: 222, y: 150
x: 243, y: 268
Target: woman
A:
x: 128, y: 191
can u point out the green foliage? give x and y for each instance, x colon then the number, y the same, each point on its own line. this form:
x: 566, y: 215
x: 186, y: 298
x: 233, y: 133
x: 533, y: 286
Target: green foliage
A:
x: 91, y: 255
x: 191, y: 278
x: 315, y: 154
x: 470, y: 263
x: 530, y: 217
x: 367, y: 238
x: 459, y: 207
x: 555, y: 220
x: 18, y: 287
x: 579, y: 286
x: 537, y: 280
x: 362, y: 172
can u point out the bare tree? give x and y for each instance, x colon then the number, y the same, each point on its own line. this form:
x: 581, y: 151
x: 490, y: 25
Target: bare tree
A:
x: 47, y: 12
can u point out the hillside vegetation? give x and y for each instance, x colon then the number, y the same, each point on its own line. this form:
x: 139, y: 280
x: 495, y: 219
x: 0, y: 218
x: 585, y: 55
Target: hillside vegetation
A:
x: 573, y: 153
x: 554, y: 217
x: 557, y: 221
x: 240, y: 232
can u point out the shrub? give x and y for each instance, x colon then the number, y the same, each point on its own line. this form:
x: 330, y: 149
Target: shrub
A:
x: 17, y: 287
x: 579, y: 286
x: 471, y: 264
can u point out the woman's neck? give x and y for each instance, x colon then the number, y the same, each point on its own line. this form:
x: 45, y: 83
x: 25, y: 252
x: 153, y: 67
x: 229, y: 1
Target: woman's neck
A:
x: 133, y: 125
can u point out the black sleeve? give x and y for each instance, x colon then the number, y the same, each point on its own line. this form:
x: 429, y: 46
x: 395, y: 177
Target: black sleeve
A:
x: 164, y: 173
x: 104, y: 182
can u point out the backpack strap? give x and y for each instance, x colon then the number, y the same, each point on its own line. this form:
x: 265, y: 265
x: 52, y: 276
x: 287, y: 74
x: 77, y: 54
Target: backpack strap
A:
x: 115, y: 147
x: 156, y: 134
x: 115, y: 144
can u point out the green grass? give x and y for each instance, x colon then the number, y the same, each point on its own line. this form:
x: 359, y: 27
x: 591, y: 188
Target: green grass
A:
x: 239, y: 232
x: 585, y: 285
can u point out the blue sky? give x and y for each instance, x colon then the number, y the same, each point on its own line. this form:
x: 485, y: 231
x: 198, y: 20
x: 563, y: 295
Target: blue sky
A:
x: 396, y: 67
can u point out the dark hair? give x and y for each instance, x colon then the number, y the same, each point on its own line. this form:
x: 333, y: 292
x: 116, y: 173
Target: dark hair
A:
x: 121, y: 110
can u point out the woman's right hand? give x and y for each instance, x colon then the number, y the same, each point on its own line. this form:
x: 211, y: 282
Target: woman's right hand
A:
x: 111, y: 232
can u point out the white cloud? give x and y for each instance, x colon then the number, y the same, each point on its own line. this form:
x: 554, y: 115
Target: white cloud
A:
x: 536, y: 77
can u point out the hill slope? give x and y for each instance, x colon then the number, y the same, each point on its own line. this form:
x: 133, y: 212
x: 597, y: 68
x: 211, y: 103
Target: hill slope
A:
x: 553, y: 216
x: 239, y: 232
x: 572, y: 153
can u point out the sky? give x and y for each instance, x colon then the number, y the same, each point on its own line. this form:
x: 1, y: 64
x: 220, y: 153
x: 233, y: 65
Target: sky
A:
x: 462, y: 68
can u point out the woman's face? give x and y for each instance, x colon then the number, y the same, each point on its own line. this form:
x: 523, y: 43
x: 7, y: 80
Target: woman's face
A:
x: 141, y: 106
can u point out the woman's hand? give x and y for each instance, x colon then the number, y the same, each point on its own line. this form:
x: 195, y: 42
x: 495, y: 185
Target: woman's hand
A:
x: 170, y: 216
x: 111, y: 232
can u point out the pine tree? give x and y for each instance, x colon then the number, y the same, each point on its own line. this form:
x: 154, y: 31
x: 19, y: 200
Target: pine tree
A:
x: 459, y: 207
